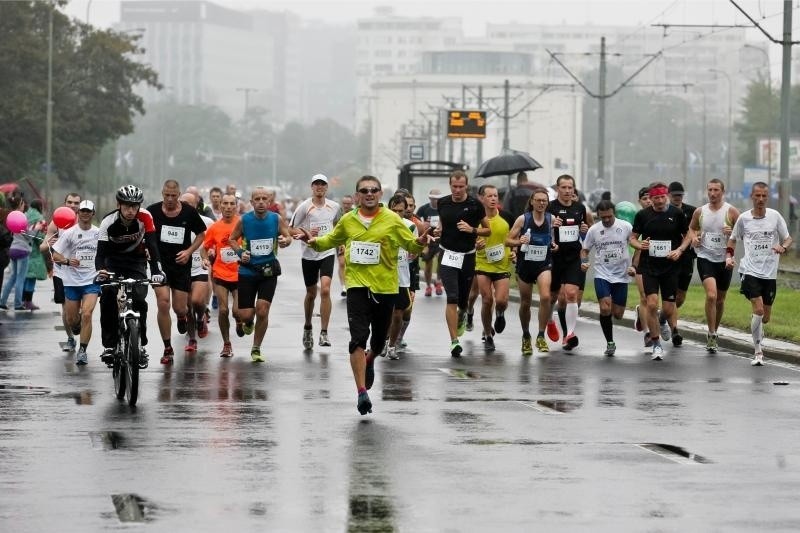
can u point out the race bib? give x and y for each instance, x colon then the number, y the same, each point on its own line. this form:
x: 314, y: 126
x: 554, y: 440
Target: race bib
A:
x: 569, y: 233
x: 713, y: 241
x: 452, y: 259
x: 612, y: 255
x: 660, y: 248
x: 172, y: 234
x: 495, y: 253
x: 536, y: 253
x: 402, y: 256
x: 434, y: 221
x: 86, y: 259
x: 365, y: 253
x: 762, y: 247
x: 227, y: 255
x: 261, y: 246
x: 197, y: 261
x: 321, y: 227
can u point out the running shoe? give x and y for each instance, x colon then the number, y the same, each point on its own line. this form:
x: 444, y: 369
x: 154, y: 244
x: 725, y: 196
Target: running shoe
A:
x: 70, y: 345
x: 391, y: 353
x: 488, y: 343
x: 202, y: 325
x: 666, y: 333
x: 611, y: 349
x: 76, y: 329
x: 552, y: 331
x: 107, y: 357
x: 758, y: 359
x: 308, y: 339
x: 711, y: 343
x: 248, y: 328
x: 369, y: 372
x: 183, y: 324
x: 677, y: 339
x: 323, y: 339
x: 428, y: 292
x: 527, y: 345
x: 166, y: 359
x: 541, y: 345
x: 240, y: 329
x: 470, y: 324
x: 30, y: 306
x: 144, y: 358
x: 401, y: 345
x: 255, y: 354
x: 499, y: 323
x: 462, y: 323
x: 227, y: 350
x: 4, y: 307
x: 191, y: 346
x: 648, y: 342
x: 81, y: 358
x: 22, y: 307
x: 364, y: 404
x: 570, y: 342
x: 637, y: 323
x: 455, y: 348
x: 658, y: 353
x: 439, y: 288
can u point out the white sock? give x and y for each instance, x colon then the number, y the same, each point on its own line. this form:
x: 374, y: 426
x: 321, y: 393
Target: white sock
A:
x: 572, y: 317
x: 756, y: 328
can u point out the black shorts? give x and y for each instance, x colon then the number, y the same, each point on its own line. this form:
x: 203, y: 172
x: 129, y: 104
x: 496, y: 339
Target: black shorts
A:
x: 458, y: 281
x: 315, y: 269
x: 230, y: 285
x: 251, y: 287
x: 567, y: 273
x: 430, y: 252
x: 529, y: 271
x: 179, y: 277
x: 366, y: 309
x: 494, y: 276
x: 200, y: 277
x: 58, y: 290
x: 753, y: 287
x: 403, y: 301
x: 665, y: 283
x: 709, y: 269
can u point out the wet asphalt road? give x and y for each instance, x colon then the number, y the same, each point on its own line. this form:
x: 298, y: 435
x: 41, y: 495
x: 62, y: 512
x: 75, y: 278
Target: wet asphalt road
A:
x: 489, y: 442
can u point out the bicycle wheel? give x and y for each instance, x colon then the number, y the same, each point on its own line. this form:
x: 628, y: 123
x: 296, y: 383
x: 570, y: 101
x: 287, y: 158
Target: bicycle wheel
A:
x: 132, y: 352
x: 119, y: 372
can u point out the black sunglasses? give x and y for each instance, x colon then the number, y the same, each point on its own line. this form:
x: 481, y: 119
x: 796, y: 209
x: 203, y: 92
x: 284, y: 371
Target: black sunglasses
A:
x: 370, y: 190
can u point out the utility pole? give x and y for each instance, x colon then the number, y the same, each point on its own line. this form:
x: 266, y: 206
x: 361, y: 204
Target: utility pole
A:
x: 480, y: 141
x: 506, y: 118
x: 246, y: 91
x: 49, y: 124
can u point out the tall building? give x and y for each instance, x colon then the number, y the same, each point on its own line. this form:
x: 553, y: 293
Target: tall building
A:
x: 203, y: 53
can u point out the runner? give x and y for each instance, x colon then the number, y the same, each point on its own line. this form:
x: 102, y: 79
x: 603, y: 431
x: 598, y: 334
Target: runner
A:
x: 372, y: 237
x: 215, y: 195
x: 317, y: 215
x: 347, y: 205
x: 612, y: 267
x: 225, y: 270
x: 664, y: 238
x: 462, y: 219
x: 640, y: 322
x: 413, y: 269
x: 200, y: 290
x: 686, y: 262
x: 430, y: 213
x: 259, y: 230
x: 571, y: 220
x: 765, y: 237
x: 532, y: 232
x: 175, y: 223
x: 711, y: 227
x: 75, y: 250
x: 126, y: 243
x: 403, y: 303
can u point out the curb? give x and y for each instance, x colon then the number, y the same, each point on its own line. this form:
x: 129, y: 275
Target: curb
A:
x: 729, y: 339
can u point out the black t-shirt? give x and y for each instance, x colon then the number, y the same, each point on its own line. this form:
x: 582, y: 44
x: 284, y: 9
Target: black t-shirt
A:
x: 571, y: 216
x: 425, y: 212
x: 670, y: 225
x: 470, y: 211
x: 175, y: 233
x: 687, y: 259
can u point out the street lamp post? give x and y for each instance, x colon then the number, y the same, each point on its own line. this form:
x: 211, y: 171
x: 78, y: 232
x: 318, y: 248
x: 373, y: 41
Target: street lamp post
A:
x: 49, y: 121
x: 730, y: 119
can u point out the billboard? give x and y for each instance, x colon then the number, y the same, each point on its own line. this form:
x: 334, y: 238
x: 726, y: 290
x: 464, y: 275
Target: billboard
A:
x: 465, y: 124
x: 769, y: 154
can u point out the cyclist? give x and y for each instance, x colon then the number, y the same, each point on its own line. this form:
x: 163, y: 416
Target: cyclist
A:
x: 126, y: 242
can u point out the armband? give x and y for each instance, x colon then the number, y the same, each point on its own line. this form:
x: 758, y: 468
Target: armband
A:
x: 730, y: 251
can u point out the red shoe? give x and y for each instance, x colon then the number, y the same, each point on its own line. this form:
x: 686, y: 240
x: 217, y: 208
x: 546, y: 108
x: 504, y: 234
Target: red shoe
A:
x: 192, y: 346
x: 428, y: 291
x: 166, y: 359
x: 552, y: 331
x: 439, y: 288
x: 202, y: 327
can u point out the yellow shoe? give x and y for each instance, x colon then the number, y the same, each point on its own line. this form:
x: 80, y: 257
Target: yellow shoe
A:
x: 541, y: 345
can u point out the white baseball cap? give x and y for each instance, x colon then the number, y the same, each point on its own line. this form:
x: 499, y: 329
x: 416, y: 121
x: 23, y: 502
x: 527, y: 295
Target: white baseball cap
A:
x: 86, y: 204
x: 319, y: 177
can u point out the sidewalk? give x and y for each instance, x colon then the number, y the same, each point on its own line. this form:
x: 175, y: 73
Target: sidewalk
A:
x: 730, y: 339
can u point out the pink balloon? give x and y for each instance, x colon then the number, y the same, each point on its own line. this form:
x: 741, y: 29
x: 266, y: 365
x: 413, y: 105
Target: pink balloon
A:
x: 63, y: 217
x: 16, y: 222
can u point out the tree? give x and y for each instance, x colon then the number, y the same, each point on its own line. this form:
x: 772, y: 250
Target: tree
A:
x: 94, y: 75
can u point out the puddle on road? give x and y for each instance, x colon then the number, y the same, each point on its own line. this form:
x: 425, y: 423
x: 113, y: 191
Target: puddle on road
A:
x: 106, y: 440
x: 496, y: 442
x: 24, y: 389
x: 461, y: 373
x: 674, y: 453
x: 461, y: 418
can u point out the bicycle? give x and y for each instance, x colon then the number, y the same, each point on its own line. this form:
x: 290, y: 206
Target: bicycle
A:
x: 128, y: 353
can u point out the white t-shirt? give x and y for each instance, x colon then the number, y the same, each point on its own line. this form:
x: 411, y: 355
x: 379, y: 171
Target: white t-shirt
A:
x: 759, y: 235
x: 611, y: 257
x: 403, y: 269
x: 197, y: 261
x: 308, y: 216
x: 78, y: 243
